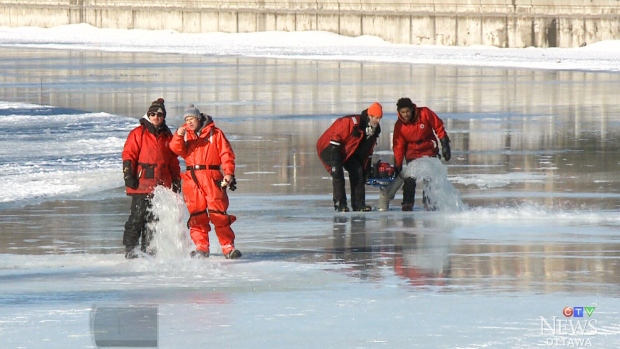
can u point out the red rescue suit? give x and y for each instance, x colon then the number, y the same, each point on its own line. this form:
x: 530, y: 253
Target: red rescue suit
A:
x: 416, y: 139
x: 207, y: 154
x: 152, y: 162
x: 348, y: 144
x: 347, y: 132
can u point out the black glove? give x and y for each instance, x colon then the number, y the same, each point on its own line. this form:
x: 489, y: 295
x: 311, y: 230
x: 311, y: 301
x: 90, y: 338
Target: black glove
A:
x: 397, y: 170
x: 176, y: 185
x: 335, y: 161
x: 233, y: 184
x: 445, y: 148
x: 130, y: 179
x: 132, y: 182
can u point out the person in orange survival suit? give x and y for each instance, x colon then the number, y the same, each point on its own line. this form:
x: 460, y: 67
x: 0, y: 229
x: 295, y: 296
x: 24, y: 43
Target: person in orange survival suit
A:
x: 207, y: 154
x: 415, y: 136
x: 348, y: 144
x: 147, y: 162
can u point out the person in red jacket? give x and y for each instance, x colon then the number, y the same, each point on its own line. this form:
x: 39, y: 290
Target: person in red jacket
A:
x: 147, y: 162
x: 348, y: 145
x: 210, y: 171
x: 415, y: 136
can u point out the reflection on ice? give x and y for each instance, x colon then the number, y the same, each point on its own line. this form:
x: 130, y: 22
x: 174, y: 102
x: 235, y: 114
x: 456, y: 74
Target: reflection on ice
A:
x: 370, y: 275
x: 421, y: 258
x: 425, y: 257
x: 534, y: 168
x: 485, y: 181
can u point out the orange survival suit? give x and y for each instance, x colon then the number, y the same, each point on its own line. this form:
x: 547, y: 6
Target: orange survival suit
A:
x: 207, y: 154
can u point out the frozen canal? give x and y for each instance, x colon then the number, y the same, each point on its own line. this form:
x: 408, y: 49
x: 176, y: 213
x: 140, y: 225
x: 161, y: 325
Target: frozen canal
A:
x: 535, y: 161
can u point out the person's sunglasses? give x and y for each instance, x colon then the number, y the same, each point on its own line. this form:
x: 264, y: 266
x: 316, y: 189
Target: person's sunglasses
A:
x: 158, y: 114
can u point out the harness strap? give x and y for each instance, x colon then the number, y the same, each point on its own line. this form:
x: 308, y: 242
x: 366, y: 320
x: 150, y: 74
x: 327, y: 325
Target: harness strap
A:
x: 203, y: 167
x: 192, y: 171
x: 194, y: 215
x: 216, y: 211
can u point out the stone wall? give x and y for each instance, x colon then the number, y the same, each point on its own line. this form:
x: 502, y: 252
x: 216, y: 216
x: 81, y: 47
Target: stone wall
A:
x: 515, y: 23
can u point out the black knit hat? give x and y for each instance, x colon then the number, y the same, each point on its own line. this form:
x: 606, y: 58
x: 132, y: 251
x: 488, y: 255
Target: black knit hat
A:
x: 157, y: 106
x: 405, y: 103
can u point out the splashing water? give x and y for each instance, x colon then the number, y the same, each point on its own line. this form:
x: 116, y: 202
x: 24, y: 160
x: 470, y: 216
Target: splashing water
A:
x: 171, y: 236
x: 434, y: 178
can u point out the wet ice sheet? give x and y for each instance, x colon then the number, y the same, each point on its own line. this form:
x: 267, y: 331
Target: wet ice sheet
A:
x: 260, y: 302
x: 497, y: 277
x: 53, y: 152
x: 537, y: 170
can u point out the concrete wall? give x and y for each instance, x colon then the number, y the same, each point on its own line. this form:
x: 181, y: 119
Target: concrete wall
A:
x: 502, y: 23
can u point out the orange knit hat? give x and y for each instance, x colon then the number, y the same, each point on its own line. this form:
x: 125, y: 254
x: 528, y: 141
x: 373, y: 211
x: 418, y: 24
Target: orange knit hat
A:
x: 375, y: 110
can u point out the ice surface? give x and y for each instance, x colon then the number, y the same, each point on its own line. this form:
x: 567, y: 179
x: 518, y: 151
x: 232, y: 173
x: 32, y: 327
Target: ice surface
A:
x: 537, y: 178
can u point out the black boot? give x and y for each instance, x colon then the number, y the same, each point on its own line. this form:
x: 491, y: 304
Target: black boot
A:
x: 407, y: 206
x: 130, y: 253
x: 148, y: 250
x: 234, y: 254
x: 341, y: 208
x: 199, y: 254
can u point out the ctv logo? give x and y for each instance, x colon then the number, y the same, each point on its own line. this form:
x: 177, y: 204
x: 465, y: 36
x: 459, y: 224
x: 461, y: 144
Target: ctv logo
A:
x: 572, y: 330
x: 577, y: 311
